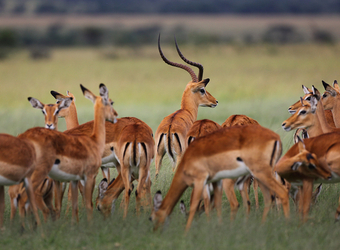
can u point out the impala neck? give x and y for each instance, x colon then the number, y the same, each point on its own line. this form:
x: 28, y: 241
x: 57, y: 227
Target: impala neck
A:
x: 335, y: 112
x: 98, y: 133
x: 188, y: 104
x: 72, y: 117
x: 320, y: 113
x: 284, y: 166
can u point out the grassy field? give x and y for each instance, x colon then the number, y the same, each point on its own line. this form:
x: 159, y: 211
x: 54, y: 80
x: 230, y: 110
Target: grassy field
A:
x: 259, y: 81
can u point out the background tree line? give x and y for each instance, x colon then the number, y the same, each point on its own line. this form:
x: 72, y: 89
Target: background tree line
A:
x: 169, y: 6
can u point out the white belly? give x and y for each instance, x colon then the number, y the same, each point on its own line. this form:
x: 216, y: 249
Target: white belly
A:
x: 7, y: 182
x: 59, y: 175
x: 232, y: 173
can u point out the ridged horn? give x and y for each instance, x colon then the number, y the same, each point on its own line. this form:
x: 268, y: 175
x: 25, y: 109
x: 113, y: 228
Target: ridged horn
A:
x: 198, y: 65
x: 178, y: 65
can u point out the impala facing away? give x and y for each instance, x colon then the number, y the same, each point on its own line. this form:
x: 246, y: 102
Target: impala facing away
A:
x: 171, y: 133
x: 135, y: 152
x: 227, y: 153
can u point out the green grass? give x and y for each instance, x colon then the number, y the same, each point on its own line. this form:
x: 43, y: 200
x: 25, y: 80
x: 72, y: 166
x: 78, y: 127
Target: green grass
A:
x: 260, y: 82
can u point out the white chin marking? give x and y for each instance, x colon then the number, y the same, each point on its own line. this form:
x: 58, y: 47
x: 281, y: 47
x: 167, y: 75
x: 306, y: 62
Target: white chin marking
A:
x: 286, y: 129
x: 7, y: 182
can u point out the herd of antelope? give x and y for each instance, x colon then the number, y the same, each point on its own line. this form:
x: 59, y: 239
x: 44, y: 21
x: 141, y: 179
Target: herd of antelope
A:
x: 206, y: 156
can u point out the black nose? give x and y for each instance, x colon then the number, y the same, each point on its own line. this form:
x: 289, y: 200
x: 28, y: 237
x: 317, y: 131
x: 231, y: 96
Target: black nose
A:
x: 329, y: 178
x: 150, y: 219
x: 283, y: 124
x: 216, y: 101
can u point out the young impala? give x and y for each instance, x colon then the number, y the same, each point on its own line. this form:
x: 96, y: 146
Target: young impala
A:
x: 171, y: 133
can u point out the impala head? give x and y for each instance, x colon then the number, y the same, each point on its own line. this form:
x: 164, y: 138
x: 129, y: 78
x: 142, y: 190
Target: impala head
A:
x: 102, y: 102
x: 155, y: 218
x: 308, y: 93
x: 307, y: 163
x: 196, y: 87
x: 304, y: 117
x: 331, y: 94
x: 59, y: 97
x: 102, y: 187
x: 51, y: 111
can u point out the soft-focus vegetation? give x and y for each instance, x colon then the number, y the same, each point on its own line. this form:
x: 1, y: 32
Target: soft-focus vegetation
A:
x: 260, y: 81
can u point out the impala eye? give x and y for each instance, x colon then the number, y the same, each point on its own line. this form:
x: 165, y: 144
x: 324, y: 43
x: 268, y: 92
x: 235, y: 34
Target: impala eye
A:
x: 57, y: 112
x: 308, y: 98
x: 43, y: 112
x: 324, y: 95
x: 302, y: 112
x: 202, y: 91
x: 112, y: 103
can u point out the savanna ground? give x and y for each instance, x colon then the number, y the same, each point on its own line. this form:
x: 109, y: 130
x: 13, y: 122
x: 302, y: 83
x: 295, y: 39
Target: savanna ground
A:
x: 260, y: 81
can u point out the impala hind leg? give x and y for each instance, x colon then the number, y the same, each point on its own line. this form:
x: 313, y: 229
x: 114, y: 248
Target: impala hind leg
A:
x: 195, y: 201
x: 307, y: 192
x: 31, y: 199
x: 269, y: 182
x: 218, y: 199
x: 256, y: 194
x: 228, y: 186
x: 126, y: 179
x: 143, y: 175
x: 160, y: 152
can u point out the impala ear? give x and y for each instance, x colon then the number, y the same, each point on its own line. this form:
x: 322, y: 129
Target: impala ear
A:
x: 336, y: 85
x: 182, y: 207
x: 205, y: 81
x: 329, y: 89
x: 305, y: 90
x: 301, y: 144
x: 296, y: 165
x: 313, y: 103
x: 104, y: 93
x: 88, y: 94
x: 36, y: 103
x: 157, y: 200
x: 65, y: 103
x: 316, y: 93
x: 102, y: 187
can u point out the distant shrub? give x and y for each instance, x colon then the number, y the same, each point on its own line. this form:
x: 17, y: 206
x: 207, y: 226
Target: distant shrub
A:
x: 8, y: 38
x: 282, y: 34
x: 323, y: 36
x: 93, y: 35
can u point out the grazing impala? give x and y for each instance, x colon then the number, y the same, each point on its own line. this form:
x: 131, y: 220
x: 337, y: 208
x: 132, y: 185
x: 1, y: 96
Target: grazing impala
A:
x: 135, y: 152
x: 317, y: 160
x: 171, y: 133
x: 227, y: 153
x: 331, y: 101
x: 78, y: 157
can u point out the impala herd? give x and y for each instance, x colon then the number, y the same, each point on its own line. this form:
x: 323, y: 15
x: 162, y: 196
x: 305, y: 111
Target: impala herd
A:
x: 205, y: 156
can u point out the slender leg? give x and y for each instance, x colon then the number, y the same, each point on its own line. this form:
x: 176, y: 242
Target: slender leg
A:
x: 74, y: 190
x: 106, y: 173
x: 218, y: 199
x: 2, y: 205
x: 159, y: 154
x: 196, y: 197
x: 228, y: 186
x: 307, y: 197
x: 89, y: 185
x: 31, y: 198
x: 126, y: 179
x: 57, y: 198
x: 256, y: 194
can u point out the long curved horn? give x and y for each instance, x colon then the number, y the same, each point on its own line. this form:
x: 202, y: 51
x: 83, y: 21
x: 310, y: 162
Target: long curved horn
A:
x: 198, y: 65
x: 178, y: 65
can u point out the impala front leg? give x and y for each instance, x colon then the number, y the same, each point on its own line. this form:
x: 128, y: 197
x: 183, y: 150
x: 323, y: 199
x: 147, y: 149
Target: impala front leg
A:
x: 195, y: 201
x: 306, y: 197
x: 218, y: 199
x: 89, y: 185
x: 228, y: 186
x: 74, y: 195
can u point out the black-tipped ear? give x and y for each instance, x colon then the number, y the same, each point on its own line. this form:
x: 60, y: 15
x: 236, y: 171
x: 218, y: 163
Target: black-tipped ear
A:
x: 29, y: 99
x: 83, y: 89
x: 206, y: 81
x: 55, y: 94
x: 325, y: 85
x: 159, y: 192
